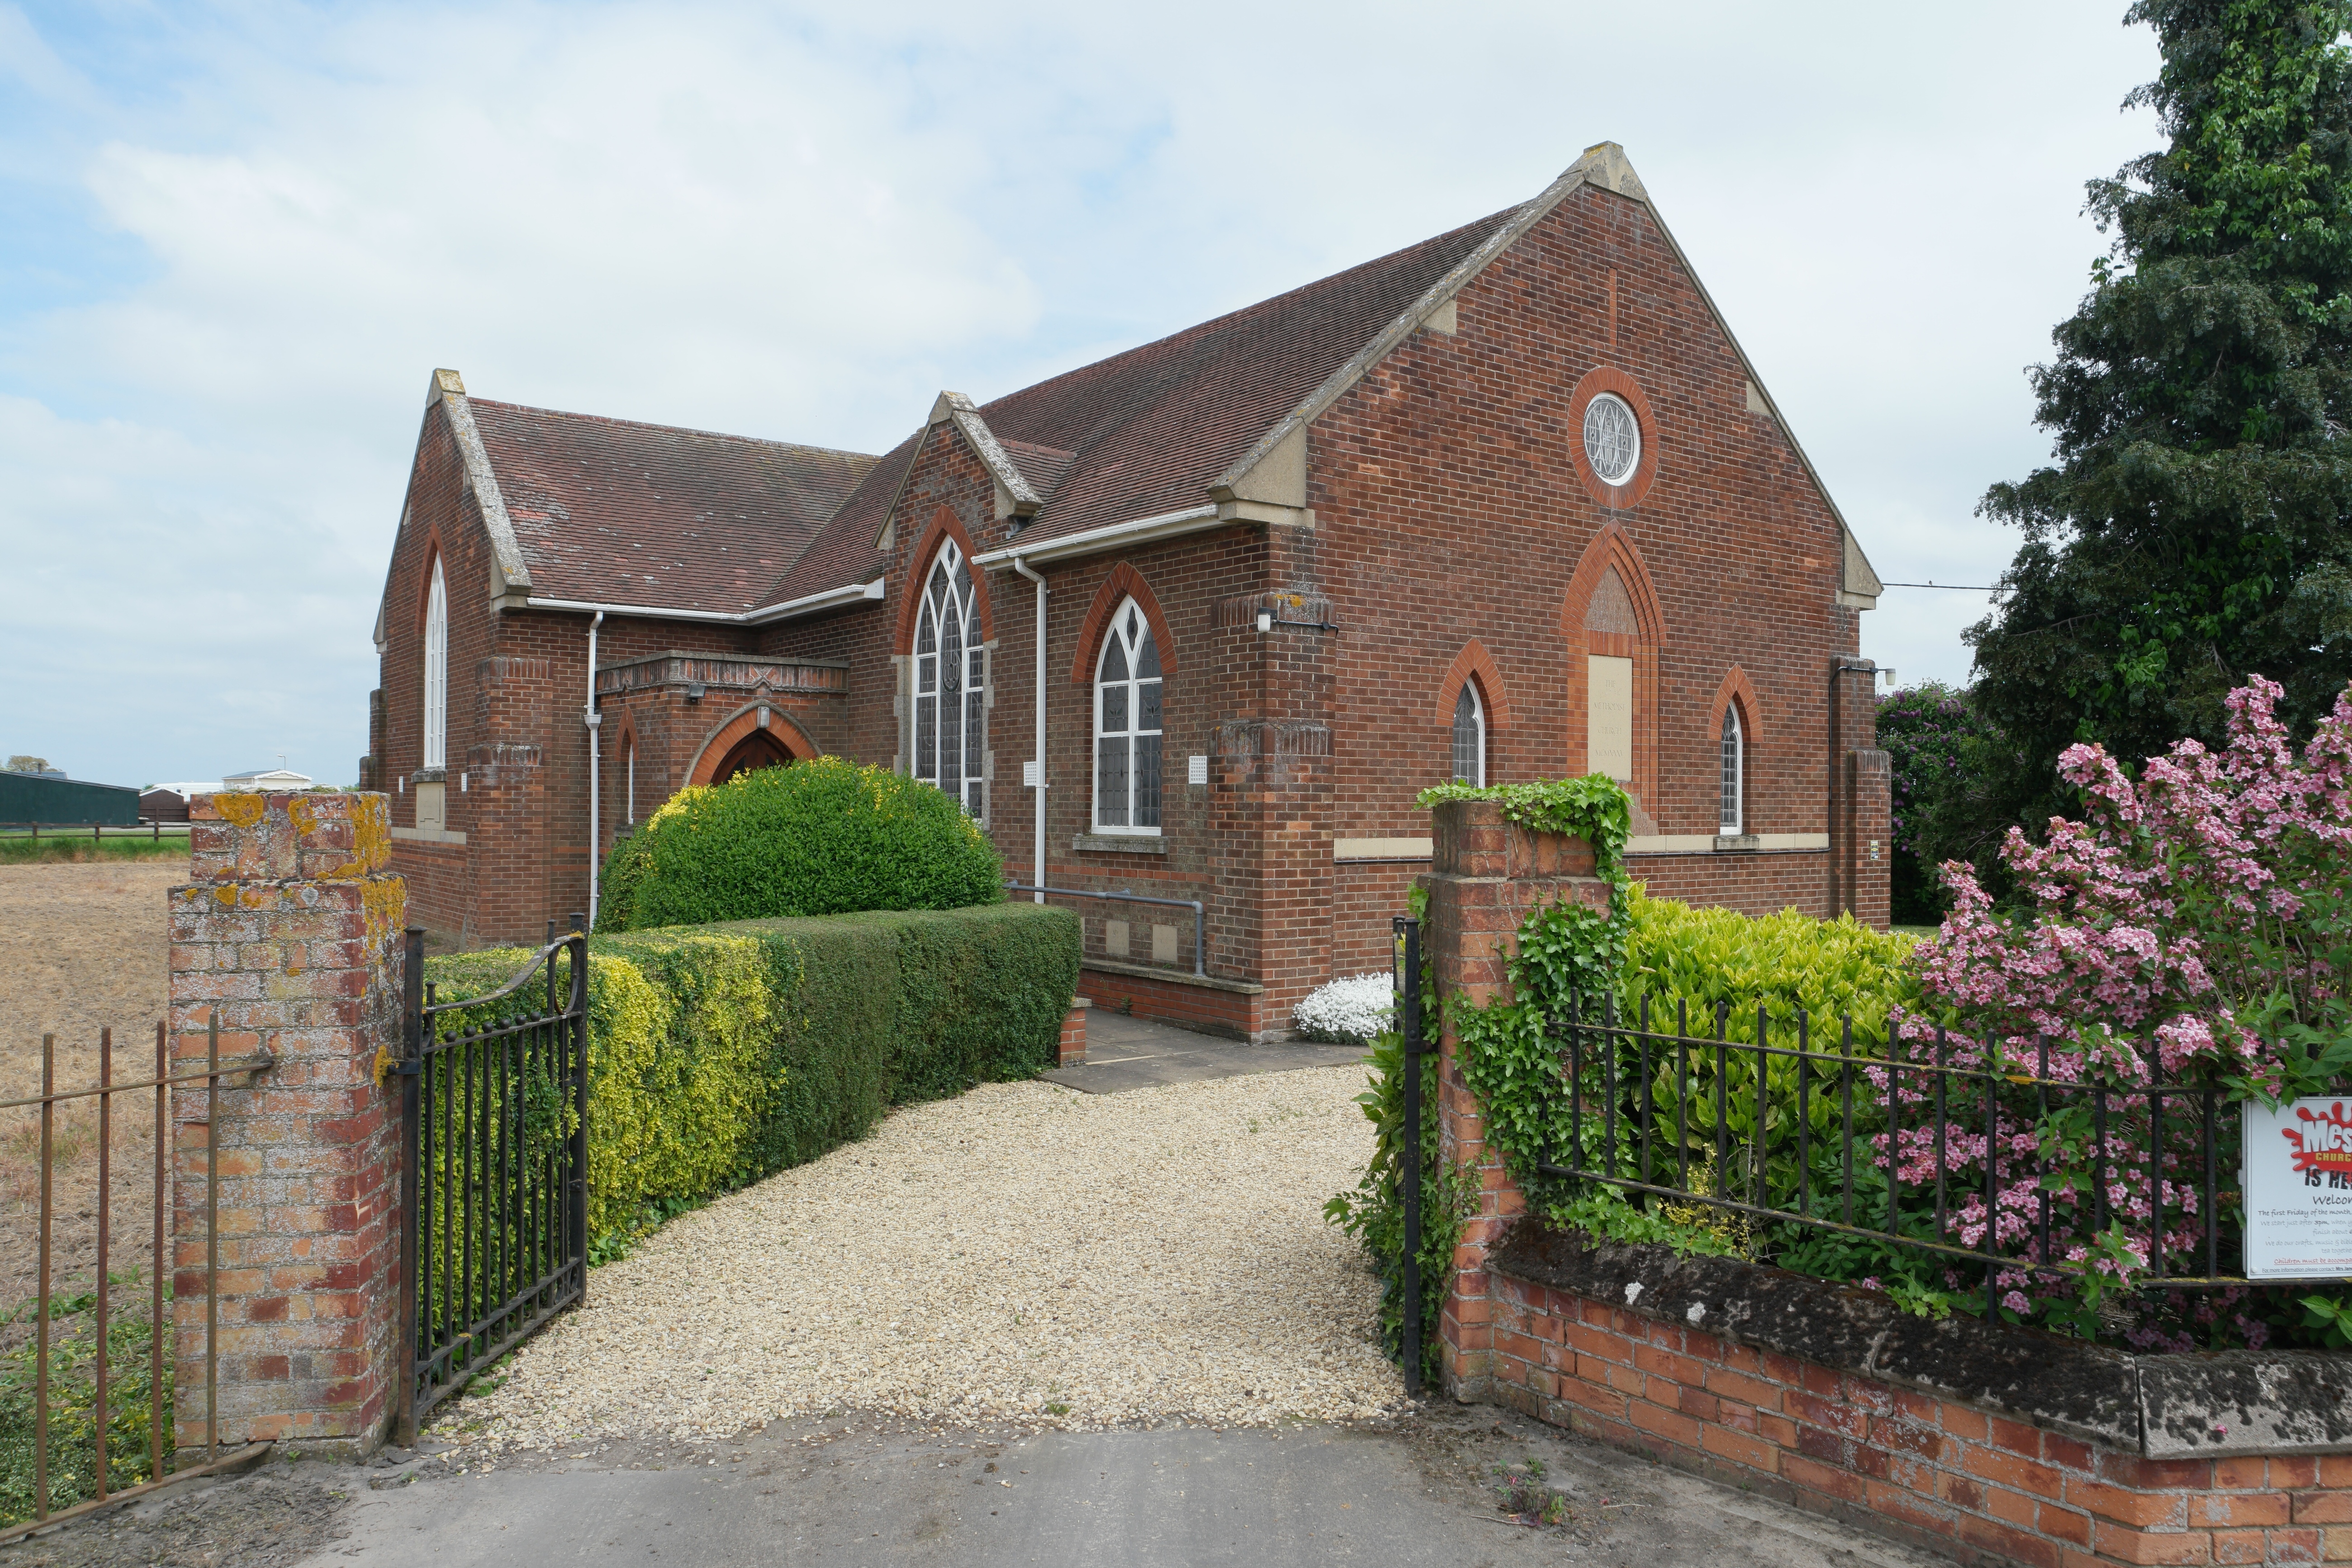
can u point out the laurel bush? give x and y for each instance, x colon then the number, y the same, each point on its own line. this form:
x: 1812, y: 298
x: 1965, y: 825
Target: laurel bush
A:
x: 818, y: 837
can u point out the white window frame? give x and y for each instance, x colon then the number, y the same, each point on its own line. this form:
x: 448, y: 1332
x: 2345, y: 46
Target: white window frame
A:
x: 437, y: 672
x: 1600, y: 402
x: 1479, y: 723
x: 1733, y: 756
x: 960, y: 596
x: 632, y: 787
x: 1130, y: 648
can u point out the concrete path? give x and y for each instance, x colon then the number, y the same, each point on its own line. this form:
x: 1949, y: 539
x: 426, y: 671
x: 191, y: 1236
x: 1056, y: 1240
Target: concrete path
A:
x: 1125, y: 1053
x: 1419, y: 1491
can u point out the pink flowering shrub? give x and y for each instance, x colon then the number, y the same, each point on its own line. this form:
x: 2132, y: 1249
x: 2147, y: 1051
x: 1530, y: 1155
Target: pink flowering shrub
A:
x: 2204, y: 910
x: 2185, y: 950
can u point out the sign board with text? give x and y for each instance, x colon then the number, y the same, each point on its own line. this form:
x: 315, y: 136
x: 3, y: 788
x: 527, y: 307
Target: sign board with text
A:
x: 2299, y: 1189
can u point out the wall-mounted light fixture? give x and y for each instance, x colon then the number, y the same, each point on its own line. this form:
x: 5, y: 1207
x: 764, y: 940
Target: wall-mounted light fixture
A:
x: 1887, y: 675
x: 1269, y: 616
x: 694, y: 691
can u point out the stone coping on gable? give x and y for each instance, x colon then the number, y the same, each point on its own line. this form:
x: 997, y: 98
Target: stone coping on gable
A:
x: 2162, y: 1407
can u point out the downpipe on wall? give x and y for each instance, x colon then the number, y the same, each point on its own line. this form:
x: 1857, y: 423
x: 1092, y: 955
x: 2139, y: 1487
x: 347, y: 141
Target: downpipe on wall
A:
x: 1037, y: 791
x: 595, y: 723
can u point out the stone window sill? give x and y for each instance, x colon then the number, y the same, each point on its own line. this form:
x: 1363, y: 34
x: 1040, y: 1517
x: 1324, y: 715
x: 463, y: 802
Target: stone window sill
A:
x: 1121, y: 842
x: 428, y: 836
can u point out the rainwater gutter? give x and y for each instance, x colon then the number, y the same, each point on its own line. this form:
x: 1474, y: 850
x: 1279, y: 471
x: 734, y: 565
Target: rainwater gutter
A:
x: 808, y: 605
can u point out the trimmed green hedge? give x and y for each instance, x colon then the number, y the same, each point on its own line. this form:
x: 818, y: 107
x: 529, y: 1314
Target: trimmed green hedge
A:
x: 818, y: 837
x: 720, y: 1054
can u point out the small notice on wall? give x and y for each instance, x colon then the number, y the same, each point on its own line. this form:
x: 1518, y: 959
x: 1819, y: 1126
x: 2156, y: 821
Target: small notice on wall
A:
x: 2299, y: 1189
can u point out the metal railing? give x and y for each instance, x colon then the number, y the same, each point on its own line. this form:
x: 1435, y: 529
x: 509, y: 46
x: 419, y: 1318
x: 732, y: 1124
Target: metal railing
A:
x: 1200, y: 913
x: 104, y: 1092
x: 151, y: 829
x: 1945, y: 1148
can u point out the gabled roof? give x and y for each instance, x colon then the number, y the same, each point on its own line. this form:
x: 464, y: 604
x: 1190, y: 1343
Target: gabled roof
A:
x: 1148, y: 431
x: 1044, y: 465
x: 1151, y: 429
x: 614, y: 511
x: 846, y: 551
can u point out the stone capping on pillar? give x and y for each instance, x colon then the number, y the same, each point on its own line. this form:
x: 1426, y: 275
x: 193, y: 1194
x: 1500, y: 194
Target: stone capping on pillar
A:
x: 1985, y: 1440
x: 1487, y: 875
x: 1473, y: 838
x: 289, y: 933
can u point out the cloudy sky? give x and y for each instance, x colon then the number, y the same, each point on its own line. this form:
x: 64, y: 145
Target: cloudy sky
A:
x: 234, y: 240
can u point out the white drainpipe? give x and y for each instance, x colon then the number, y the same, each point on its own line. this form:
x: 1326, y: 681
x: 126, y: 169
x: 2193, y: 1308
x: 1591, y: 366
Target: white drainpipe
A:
x: 595, y: 722
x: 1038, y: 879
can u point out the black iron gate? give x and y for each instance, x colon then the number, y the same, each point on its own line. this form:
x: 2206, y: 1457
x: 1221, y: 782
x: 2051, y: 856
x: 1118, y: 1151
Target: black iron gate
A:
x: 494, y: 1104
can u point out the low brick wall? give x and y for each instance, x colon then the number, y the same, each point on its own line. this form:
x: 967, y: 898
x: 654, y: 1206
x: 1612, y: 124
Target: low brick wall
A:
x: 1211, y: 1010
x: 1994, y: 1445
x: 1072, y: 1050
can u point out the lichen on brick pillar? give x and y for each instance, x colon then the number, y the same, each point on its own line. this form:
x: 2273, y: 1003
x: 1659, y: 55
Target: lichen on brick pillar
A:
x: 1487, y: 876
x: 289, y: 934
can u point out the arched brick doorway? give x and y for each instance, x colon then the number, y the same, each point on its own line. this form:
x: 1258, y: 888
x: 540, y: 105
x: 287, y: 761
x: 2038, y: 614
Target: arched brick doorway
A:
x: 756, y: 750
x: 755, y: 736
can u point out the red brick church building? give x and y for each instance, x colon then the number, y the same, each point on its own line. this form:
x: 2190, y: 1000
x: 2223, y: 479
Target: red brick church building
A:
x: 1196, y: 622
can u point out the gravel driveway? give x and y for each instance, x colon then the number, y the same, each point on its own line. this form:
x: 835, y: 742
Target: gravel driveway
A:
x: 1023, y: 1254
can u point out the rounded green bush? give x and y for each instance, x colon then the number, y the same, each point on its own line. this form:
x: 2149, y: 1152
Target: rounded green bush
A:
x: 819, y: 837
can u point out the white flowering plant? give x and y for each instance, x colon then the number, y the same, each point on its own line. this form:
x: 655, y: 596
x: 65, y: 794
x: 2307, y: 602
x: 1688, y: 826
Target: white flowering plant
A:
x: 1347, y: 1012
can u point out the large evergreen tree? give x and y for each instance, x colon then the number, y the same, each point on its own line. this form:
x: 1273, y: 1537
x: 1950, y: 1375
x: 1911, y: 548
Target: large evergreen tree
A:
x: 2196, y: 524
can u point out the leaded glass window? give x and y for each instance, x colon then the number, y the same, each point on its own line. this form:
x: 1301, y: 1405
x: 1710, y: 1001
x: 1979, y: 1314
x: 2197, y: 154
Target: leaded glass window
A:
x: 1612, y: 439
x: 1469, y: 737
x: 1128, y: 726
x: 1734, y: 770
x: 437, y: 672
x: 951, y: 684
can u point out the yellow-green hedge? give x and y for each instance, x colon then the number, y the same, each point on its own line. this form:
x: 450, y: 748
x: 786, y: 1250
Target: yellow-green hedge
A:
x: 720, y: 1054
x: 1789, y: 961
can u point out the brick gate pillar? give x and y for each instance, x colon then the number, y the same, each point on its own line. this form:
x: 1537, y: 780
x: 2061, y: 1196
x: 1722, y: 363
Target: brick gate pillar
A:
x: 1487, y: 876
x: 291, y: 935
x: 1861, y: 801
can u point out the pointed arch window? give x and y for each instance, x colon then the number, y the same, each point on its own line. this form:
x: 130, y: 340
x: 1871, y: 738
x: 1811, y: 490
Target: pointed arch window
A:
x: 1469, y: 737
x: 951, y: 684
x: 437, y: 672
x: 1128, y: 726
x: 1734, y: 773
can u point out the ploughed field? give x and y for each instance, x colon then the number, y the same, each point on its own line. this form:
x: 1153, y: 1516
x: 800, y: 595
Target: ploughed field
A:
x: 82, y: 946
x: 1023, y: 1254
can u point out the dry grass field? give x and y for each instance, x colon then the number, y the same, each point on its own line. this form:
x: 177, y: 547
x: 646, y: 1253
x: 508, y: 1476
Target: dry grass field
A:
x: 82, y: 947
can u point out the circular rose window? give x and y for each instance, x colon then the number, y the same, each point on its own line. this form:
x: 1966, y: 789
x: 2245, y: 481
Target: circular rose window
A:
x: 1612, y: 439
